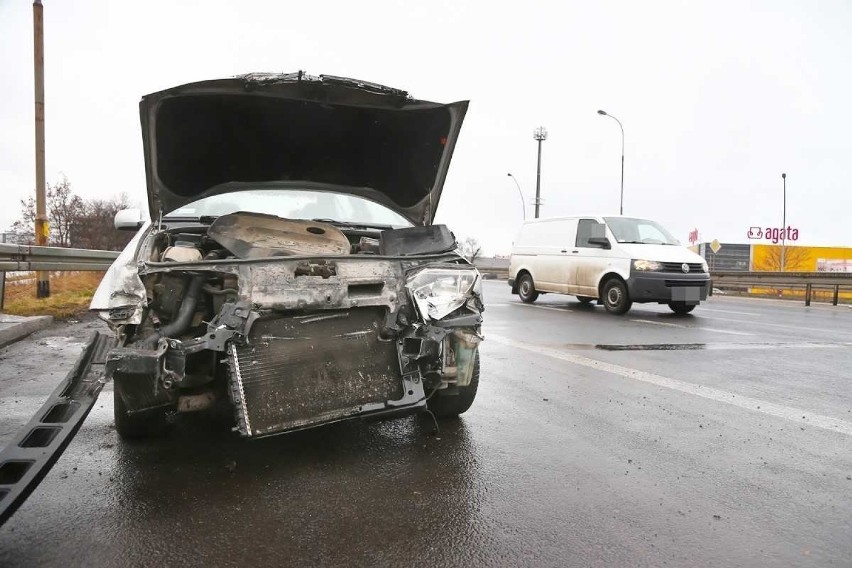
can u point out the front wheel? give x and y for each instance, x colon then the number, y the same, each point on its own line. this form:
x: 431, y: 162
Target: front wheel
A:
x: 526, y: 289
x: 446, y: 404
x: 681, y: 308
x: 615, y: 297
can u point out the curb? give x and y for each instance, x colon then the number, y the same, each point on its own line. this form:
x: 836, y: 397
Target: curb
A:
x: 15, y: 328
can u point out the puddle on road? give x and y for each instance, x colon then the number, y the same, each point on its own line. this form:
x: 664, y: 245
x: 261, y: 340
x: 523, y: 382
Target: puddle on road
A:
x: 699, y: 346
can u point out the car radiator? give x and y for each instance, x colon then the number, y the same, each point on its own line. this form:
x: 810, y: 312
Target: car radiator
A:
x: 301, y: 370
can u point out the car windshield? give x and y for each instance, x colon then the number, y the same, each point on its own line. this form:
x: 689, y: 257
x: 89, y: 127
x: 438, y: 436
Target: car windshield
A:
x: 294, y: 204
x: 642, y: 231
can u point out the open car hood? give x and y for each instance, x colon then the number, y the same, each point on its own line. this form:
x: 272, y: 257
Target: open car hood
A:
x: 297, y: 131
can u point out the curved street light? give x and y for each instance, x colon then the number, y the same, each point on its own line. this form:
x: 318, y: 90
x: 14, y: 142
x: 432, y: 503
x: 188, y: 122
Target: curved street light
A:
x: 523, y: 205
x: 621, y: 203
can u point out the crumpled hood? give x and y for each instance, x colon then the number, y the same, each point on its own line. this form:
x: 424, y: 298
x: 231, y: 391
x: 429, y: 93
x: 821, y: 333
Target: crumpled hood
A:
x: 297, y: 131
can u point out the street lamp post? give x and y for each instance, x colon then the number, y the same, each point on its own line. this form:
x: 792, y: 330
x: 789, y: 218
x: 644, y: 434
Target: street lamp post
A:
x: 521, y: 193
x: 621, y: 202
x: 539, y: 134
x: 784, y: 225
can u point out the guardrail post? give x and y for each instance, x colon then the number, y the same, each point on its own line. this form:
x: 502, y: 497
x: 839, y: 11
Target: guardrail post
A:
x: 836, y: 294
x: 3, y: 289
x: 808, y: 294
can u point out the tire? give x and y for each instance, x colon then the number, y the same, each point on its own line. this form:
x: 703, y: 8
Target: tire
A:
x: 586, y: 300
x: 451, y: 405
x: 148, y: 424
x: 615, y: 297
x: 526, y: 289
x: 681, y: 308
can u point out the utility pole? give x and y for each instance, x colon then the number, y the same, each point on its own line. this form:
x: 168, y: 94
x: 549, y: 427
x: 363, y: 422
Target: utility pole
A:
x: 784, y: 227
x: 41, y: 225
x: 539, y: 134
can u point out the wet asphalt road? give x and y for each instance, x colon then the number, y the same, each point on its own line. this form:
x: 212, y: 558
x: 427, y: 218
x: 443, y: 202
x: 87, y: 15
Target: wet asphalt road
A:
x: 723, y: 438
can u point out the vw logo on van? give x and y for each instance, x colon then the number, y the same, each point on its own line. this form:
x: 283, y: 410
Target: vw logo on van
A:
x: 684, y: 267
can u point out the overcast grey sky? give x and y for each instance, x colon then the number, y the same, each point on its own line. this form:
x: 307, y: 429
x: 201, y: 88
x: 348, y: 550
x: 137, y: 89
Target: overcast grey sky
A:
x: 717, y: 99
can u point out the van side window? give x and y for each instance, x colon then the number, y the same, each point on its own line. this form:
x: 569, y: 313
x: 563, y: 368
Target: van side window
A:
x: 586, y: 229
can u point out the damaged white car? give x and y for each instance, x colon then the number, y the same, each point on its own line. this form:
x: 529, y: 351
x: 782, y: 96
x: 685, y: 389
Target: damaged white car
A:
x: 291, y: 268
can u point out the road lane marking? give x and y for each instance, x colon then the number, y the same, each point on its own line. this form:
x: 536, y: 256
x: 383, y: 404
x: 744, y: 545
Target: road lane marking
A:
x: 543, y: 307
x: 730, y: 312
x: 714, y: 330
x: 729, y: 332
x: 748, y: 403
x: 779, y: 325
x: 652, y: 322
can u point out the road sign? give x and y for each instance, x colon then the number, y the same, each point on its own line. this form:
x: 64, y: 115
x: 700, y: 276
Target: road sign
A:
x: 715, y: 246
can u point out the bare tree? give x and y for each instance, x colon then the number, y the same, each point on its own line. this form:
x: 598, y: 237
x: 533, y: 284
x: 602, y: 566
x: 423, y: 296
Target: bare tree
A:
x: 74, y: 221
x: 796, y: 259
x: 94, y: 229
x: 470, y: 249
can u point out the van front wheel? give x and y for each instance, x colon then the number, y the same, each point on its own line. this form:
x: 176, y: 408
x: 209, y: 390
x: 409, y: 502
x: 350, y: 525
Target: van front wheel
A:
x: 681, y: 308
x: 526, y: 289
x: 615, y: 297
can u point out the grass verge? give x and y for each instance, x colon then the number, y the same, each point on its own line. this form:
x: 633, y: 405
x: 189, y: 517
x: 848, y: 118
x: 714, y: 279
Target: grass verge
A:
x: 70, y: 294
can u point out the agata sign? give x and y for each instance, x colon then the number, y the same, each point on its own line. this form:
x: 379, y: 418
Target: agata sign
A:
x: 774, y: 234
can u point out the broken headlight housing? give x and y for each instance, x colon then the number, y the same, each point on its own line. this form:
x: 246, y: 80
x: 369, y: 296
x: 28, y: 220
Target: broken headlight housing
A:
x: 438, y: 292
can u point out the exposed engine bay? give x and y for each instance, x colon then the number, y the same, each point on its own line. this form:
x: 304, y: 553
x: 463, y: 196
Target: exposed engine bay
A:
x: 294, y: 322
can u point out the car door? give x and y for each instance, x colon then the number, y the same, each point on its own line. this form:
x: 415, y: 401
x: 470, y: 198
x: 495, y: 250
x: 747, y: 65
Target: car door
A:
x: 590, y: 260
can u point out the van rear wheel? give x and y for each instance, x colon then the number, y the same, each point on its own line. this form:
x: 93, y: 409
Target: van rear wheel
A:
x: 526, y: 289
x: 615, y: 297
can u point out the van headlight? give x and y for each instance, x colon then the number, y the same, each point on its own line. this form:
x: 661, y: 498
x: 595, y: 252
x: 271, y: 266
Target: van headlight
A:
x: 704, y: 266
x: 647, y: 265
x: 437, y: 292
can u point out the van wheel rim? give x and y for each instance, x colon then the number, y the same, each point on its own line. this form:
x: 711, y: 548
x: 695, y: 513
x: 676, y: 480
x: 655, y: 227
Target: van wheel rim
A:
x: 613, y: 296
x: 525, y: 288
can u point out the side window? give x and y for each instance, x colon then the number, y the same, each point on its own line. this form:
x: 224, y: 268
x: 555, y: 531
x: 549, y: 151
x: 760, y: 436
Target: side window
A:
x: 586, y: 229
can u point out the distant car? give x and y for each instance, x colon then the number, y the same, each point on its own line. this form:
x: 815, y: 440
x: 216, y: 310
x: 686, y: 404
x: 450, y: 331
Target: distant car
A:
x: 613, y: 260
x: 291, y: 270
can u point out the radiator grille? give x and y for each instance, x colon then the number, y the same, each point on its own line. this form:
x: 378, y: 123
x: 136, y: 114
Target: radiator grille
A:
x: 678, y: 267
x: 297, y: 371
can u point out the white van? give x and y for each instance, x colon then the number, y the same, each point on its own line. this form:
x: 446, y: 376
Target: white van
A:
x: 614, y: 261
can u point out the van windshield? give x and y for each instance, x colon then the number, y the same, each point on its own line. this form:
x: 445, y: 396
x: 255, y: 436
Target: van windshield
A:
x: 642, y: 231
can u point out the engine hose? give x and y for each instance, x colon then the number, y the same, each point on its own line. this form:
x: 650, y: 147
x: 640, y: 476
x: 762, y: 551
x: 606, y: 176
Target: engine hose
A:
x: 187, y: 309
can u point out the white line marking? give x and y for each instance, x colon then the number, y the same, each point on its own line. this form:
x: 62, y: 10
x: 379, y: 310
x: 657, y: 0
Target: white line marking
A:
x: 779, y: 325
x: 722, y: 331
x: 543, y: 307
x: 652, y: 322
x: 756, y: 405
x: 703, y: 309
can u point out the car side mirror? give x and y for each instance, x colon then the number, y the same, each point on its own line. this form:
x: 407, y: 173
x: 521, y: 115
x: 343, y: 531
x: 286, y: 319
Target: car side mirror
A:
x: 601, y: 242
x: 128, y: 220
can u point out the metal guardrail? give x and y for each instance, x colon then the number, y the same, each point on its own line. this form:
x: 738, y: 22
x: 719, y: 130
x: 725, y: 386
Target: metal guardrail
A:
x: 25, y: 258
x: 832, y: 280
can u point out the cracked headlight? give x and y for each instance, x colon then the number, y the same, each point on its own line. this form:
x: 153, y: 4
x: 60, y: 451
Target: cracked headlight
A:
x: 438, y: 292
x: 647, y: 265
